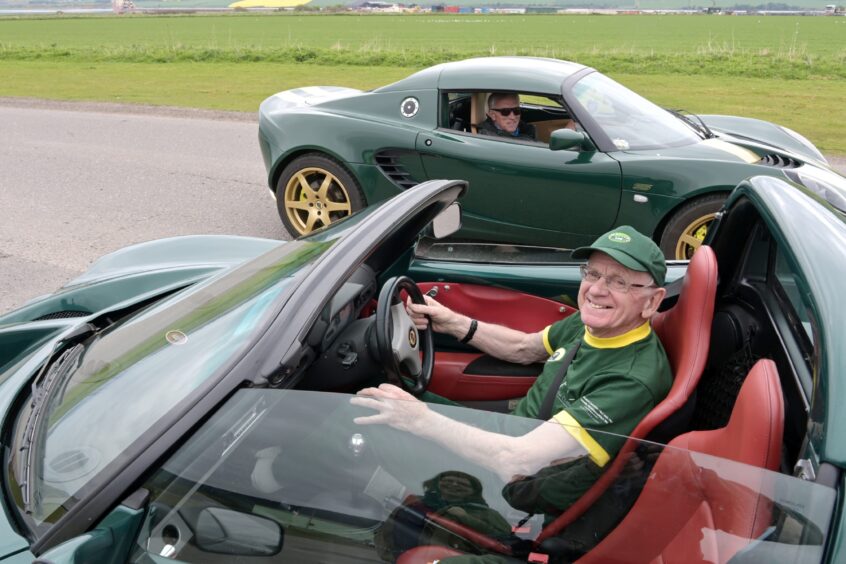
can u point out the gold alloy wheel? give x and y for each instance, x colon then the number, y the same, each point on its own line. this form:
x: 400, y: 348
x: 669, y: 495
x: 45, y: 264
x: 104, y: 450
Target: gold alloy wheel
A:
x: 692, y: 236
x: 314, y: 197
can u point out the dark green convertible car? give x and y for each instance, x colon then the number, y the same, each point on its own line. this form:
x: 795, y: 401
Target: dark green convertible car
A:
x: 601, y: 155
x: 189, y: 399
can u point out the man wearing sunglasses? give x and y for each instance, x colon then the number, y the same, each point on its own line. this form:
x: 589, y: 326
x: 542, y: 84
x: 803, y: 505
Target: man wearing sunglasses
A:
x: 504, y: 118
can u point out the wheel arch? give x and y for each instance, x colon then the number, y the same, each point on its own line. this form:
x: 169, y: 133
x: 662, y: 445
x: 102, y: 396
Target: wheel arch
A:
x: 285, y: 160
x: 661, y: 227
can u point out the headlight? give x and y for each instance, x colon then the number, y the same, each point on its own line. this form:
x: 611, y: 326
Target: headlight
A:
x: 804, y: 140
x: 827, y: 185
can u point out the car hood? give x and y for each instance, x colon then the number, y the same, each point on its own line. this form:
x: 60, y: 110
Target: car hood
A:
x: 766, y: 133
x: 707, y: 149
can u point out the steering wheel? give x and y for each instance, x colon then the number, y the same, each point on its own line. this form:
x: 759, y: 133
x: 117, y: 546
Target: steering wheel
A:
x: 398, y: 341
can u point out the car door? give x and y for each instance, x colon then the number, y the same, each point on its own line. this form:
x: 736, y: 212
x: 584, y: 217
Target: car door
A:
x: 522, y: 191
x: 524, y: 288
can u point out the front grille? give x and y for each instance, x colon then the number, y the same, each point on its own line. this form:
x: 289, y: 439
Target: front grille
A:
x: 388, y: 163
x: 779, y: 161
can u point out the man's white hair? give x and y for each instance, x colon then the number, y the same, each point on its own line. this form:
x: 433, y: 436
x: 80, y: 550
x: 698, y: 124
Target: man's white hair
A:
x: 495, y: 97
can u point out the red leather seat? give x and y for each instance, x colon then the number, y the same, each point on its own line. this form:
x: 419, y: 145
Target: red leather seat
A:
x: 696, y: 509
x: 685, y: 332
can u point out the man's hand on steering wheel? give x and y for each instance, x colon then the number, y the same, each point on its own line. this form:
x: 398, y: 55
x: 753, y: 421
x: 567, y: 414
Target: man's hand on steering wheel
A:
x: 407, y: 353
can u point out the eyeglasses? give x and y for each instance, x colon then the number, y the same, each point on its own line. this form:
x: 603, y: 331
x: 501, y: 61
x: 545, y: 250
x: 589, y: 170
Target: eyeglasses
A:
x: 614, y: 283
x: 507, y: 111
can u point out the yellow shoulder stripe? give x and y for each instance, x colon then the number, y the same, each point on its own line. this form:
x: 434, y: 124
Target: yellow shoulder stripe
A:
x: 545, y: 335
x: 595, y: 451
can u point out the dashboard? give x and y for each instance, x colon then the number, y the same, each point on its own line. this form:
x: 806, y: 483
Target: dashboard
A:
x: 341, y: 340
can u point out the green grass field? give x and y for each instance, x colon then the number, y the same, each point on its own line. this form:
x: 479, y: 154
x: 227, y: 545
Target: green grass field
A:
x: 791, y: 70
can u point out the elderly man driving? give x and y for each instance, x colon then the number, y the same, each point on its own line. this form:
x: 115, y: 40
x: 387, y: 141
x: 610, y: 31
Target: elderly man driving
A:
x: 618, y: 373
x: 503, y: 117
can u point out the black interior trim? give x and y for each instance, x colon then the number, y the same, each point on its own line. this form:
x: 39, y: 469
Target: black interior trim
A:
x: 487, y: 365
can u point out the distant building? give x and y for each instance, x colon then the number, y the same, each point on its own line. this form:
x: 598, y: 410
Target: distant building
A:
x: 268, y: 3
x: 374, y: 6
x: 121, y: 6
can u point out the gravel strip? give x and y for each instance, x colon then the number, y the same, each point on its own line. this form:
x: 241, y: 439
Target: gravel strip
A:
x: 137, y: 109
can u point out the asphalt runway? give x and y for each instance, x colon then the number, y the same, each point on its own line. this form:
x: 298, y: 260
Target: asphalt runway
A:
x: 78, y: 181
x: 77, y: 184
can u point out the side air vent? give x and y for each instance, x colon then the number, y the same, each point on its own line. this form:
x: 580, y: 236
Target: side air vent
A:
x: 779, y: 161
x: 389, y: 163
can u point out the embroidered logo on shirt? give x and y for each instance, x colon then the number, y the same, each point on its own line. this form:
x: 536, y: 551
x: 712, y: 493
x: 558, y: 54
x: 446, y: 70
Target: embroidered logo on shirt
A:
x: 557, y: 355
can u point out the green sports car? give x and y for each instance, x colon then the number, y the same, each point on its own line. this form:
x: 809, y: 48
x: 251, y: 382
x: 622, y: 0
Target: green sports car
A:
x: 601, y: 154
x: 189, y: 400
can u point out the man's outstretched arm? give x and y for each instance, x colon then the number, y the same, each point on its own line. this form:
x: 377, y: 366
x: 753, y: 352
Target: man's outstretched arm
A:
x: 507, y: 456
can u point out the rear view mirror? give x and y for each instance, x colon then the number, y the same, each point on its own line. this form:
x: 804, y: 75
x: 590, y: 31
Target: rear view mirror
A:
x: 447, y: 222
x: 567, y: 139
x: 225, y: 531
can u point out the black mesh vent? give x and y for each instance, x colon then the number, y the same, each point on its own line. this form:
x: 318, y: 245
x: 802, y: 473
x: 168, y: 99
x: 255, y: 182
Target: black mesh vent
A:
x: 779, y: 161
x: 388, y: 163
x: 63, y: 315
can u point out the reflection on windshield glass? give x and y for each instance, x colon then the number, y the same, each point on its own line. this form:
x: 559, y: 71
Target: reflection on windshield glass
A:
x: 346, y: 492
x: 629, y: 120
x: 137, y: 371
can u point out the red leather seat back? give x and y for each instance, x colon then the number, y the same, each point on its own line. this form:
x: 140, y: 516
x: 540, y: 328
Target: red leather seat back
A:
x: 685, y: 329
x: 685, y: 332
x: 694, y: 509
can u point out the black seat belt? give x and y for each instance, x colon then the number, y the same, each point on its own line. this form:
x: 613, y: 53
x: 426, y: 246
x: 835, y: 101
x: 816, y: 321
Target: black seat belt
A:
x: 546, y: 409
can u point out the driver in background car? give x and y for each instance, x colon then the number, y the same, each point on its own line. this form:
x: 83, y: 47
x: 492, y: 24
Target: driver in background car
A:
x: 619, y: 373
x: 504, y: 118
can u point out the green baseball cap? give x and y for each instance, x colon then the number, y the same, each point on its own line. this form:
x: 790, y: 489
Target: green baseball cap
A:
x: 631, y: 249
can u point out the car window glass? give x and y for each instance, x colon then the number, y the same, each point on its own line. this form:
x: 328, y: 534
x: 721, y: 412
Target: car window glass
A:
x: 466, y: 111
x: 461, y: 251
x: 123, y: 382
x: 295, y: 475
x: 786, y: 278
x: 629, y: 120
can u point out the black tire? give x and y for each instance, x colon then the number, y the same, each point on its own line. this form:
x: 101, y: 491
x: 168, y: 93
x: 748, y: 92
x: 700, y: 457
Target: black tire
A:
x: 687, y: 226
x: 315, y: 190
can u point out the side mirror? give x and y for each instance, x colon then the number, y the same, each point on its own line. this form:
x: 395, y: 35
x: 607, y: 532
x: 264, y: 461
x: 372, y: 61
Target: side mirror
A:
x: 567, y: 139
x: 225, y: 531
x: 447, y: 222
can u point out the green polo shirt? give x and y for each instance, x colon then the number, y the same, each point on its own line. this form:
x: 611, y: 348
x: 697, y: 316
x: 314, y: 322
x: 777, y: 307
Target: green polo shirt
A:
x: 609, y: 387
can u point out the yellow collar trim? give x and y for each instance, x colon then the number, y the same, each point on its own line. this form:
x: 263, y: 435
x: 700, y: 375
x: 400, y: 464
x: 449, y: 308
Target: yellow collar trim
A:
x: 619, y: 341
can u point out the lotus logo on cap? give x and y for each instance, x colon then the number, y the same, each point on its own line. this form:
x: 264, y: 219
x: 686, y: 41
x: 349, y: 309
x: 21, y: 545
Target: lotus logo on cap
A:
x: 412, y: 337
x: 619, y: 237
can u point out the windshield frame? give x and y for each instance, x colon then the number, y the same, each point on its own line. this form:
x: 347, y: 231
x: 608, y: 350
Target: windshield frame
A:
x: 376, y: 235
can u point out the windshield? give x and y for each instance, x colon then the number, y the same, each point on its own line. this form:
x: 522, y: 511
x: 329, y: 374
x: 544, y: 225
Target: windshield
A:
x: 630, y: 121
x: 131, y: 375
x: 294, y: 474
